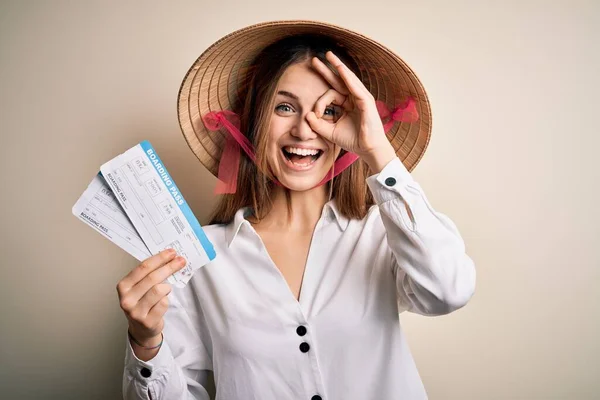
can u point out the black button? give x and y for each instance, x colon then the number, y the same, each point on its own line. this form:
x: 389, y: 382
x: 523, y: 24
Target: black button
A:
x: 316, y: 397
x: 301, y: 330
x: 390, y: 181
x: 145, y: 372
x: 304, y: 347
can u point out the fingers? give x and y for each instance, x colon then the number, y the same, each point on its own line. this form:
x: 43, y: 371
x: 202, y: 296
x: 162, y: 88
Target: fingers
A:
x: 322, y: 123
x: 142, y: 270
x: 331, y: 96
x: 152, y: 297
x: 150, y: 309
x: 160, y: 308
x: 334, y: 80
x: 143, y: 296
x: 321, y: 126
x: 356, y: 87
x: 155, y: 277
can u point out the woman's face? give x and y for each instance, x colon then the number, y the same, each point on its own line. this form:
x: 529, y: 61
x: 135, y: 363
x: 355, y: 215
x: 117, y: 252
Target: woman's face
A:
x: 298, y: 156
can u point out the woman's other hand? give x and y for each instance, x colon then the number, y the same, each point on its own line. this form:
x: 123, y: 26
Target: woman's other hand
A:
x: 143, y: 298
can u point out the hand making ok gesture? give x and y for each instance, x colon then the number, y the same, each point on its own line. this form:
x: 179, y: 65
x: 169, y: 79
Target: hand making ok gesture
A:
x: 359, y: 128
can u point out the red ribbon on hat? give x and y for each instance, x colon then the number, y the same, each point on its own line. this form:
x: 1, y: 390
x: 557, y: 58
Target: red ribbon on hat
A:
x: 230, y: 158
x: 404, y: 112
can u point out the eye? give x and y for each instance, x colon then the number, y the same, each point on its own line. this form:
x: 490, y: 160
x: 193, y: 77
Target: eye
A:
x: 332, y: 111
x: 283, y: 107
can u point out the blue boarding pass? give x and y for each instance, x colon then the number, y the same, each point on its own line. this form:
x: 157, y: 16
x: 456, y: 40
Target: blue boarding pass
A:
x: 156, y: 208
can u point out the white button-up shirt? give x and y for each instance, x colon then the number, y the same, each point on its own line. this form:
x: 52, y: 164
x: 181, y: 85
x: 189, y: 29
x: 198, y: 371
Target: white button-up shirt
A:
x: 342, y: 340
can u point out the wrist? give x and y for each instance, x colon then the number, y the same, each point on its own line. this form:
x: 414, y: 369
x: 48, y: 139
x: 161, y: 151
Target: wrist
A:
x: 147, y: 343
x: 379, y: 158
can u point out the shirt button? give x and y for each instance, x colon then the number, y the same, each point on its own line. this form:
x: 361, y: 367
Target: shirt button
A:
x: 390, y: 181
x: 301, y: 330
x: 145, y: 372
x: 304, y: 347
x: 316, y: 397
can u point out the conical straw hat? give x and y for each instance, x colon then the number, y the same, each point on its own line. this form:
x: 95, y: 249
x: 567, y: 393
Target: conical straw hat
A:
x: 217, y: 77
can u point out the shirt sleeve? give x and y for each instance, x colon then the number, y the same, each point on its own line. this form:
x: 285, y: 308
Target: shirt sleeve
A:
x: 181, y: 368
x: 434, y: 275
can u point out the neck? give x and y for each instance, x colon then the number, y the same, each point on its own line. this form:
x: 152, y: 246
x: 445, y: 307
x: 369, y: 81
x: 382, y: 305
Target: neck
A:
x: 306, y: 209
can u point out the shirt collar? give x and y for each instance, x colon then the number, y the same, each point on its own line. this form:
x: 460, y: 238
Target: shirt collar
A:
x: 335, y: 213
x: 232, y: 229
x: 330, y: 212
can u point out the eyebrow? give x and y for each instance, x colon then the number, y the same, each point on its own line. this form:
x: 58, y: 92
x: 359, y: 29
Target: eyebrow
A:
x: 287, y: 94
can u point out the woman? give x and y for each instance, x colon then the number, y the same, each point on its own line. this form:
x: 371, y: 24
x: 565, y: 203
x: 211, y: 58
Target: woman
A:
x: 315, y: 259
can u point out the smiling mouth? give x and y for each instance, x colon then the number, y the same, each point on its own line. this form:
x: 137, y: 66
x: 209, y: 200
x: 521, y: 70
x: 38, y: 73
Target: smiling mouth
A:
x: 300, y: 160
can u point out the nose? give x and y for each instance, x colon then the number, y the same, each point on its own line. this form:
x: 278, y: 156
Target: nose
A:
x: 303, y: 131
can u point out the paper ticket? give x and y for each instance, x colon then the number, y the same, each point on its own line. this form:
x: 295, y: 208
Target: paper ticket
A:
x: 98, y: 208
x: 143, y: 187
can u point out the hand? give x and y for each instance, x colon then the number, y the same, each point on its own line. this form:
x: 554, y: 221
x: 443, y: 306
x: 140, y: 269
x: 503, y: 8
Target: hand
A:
x: 359, y: 128
x: 143, y: 296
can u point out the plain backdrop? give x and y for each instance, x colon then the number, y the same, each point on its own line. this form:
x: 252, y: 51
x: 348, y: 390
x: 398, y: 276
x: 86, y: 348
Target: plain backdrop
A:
x: 513, y: 161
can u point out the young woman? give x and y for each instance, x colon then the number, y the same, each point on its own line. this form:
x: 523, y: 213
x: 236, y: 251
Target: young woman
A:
x: 322, y: 236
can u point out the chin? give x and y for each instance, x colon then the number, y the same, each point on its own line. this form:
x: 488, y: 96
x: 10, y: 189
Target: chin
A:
x: 299, y: 184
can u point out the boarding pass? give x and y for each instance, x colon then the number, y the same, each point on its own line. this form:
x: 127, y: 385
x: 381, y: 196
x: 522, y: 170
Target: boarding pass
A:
x: 135, y: 203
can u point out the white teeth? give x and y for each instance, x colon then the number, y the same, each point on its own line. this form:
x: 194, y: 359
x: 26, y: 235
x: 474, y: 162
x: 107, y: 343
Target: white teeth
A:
x: 302, y: 152
x: 303, y: 165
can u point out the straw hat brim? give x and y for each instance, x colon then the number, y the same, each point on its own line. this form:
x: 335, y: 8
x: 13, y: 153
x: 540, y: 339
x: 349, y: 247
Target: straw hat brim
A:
x: 215, y: 81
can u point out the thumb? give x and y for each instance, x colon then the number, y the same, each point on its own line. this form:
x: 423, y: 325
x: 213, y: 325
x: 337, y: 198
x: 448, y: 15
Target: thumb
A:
x: 320, y: 126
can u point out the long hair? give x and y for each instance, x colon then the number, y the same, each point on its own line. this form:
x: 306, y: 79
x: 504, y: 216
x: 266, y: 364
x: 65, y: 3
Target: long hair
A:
x: 255, y: 185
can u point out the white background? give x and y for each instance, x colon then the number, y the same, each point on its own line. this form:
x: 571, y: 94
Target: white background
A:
x: 514, y: 89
